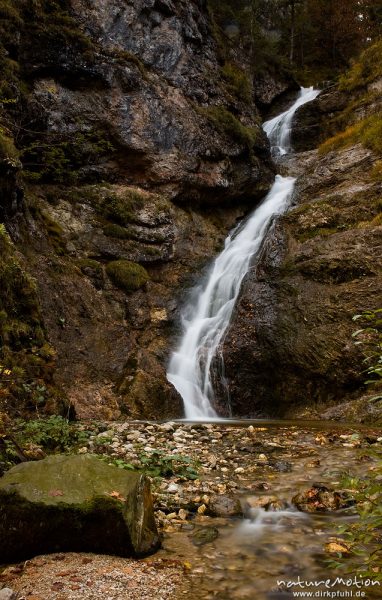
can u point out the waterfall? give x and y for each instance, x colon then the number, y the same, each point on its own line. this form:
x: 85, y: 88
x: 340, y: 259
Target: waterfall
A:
x: 279, y: 129
x: 206, y: 320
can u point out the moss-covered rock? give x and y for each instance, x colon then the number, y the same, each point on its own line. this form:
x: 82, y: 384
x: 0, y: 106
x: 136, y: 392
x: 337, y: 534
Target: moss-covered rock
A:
x: 127, y: 275
x: 75, y: 503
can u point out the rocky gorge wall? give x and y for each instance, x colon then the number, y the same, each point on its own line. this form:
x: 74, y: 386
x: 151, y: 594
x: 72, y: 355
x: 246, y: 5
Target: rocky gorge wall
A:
x: 127, y: 155
x: 128, y: 150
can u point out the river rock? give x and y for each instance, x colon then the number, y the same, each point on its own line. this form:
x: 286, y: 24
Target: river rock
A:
x: 321, y: 499
x: 269, y: 503
x: 75, y: 503
x: 204, y: 536
x: 8, y: 594
x: 224, y: 506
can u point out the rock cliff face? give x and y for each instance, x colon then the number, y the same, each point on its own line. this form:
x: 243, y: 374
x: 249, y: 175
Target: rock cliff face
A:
x: 289, y: 350
x: 134, y: 149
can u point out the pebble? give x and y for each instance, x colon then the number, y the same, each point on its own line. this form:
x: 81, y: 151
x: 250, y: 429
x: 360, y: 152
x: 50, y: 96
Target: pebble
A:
x: 173, y: 488
x: 238, y: 470
x: 105, y: 434
x: 7, y: 594
x: 167, y: 426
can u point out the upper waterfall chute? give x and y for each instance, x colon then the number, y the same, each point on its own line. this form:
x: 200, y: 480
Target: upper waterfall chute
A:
x: 206, y: 320
x: 279, y: 128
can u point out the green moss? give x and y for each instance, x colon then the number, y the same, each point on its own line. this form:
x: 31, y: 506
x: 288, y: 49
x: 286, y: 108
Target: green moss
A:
x: 116, y: 231
x: 317, y: 231
x: 125, y: 56
x: 376, y: 171
x: 121, y: 209
x: 128, y: 276
x: 238, y: 81
x: 23, y: 346
x: 228, y: 124
x: 89, y: 264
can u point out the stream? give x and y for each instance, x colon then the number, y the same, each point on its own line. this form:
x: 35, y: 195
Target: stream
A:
x: 251, y: 555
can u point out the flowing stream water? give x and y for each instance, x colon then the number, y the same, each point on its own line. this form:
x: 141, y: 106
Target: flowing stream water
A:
x: 206, y: 320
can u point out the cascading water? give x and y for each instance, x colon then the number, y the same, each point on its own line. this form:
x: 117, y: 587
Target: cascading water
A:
x: 279, y: 128
x: 209, y: 317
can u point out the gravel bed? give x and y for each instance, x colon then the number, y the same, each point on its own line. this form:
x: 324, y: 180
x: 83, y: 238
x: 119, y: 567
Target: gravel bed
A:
x: 80, y: 576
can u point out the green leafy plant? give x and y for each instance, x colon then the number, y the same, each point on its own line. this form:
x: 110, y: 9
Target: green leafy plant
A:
x: 363, y: 536
x: 159, y: 464
x: 54, y: 433
x: 370, y: 337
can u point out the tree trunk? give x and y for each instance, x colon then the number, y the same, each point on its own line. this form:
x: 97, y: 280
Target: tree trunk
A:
x: 292, y: 30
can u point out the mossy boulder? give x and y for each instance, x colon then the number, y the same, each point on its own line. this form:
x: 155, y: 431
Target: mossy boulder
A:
x: 127, y: 275
x: 75, y: 503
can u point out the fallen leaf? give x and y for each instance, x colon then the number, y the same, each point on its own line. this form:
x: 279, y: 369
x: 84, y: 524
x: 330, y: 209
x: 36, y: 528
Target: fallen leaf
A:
x: 57, y: 585
x: 56, y: 493
x: 116, y: 495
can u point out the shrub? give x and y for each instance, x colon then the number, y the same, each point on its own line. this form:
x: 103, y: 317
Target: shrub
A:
x: 227, y: 123
x: 60, y: 160
x: 128, y: 276
x: 363, y: 536
x: 52, y: 433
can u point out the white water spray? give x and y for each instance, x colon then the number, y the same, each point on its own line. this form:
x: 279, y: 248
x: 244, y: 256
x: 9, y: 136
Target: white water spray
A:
x: 209, y: 317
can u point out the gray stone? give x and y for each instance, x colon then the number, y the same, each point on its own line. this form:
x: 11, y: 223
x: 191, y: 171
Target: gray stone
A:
x: 224, y: 506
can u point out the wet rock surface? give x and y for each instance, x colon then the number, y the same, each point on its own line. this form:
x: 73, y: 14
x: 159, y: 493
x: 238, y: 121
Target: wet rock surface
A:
x: 319, y: 266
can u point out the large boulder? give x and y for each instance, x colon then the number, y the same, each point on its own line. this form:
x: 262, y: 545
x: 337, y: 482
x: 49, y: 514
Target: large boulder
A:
x: 75, y: 503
